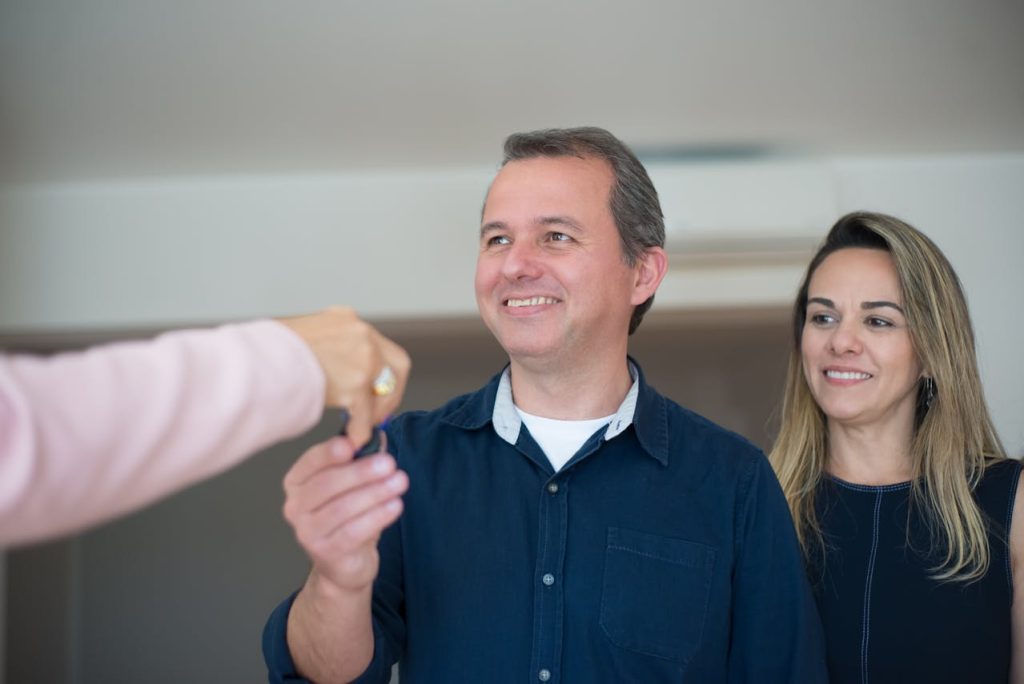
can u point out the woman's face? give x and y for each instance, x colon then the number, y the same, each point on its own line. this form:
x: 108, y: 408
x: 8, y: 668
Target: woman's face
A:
x: 858, y: 358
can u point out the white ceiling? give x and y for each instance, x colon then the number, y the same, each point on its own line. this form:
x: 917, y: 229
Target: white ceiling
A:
x: 101, y: 88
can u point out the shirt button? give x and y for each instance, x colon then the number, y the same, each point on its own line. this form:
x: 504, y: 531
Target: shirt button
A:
x: 548, y: 579
x: 552, y: 489
x: 544, y: 675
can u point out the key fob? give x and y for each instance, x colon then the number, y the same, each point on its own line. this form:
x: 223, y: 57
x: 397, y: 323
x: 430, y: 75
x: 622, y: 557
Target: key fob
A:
x: 376, y: 438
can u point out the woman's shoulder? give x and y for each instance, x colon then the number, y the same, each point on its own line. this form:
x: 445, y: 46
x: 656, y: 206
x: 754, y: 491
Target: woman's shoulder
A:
x: 1000, y: 474
x: 995, y: 492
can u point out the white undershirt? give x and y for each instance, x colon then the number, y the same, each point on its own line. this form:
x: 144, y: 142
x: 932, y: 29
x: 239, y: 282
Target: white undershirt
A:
x: 560, y: 439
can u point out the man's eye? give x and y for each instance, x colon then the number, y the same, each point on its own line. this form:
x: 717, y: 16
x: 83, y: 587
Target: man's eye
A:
x: 497, y: 240
x: 559, y: 237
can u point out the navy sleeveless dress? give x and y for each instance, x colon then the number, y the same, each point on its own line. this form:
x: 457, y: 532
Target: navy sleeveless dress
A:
x: 885, y: 619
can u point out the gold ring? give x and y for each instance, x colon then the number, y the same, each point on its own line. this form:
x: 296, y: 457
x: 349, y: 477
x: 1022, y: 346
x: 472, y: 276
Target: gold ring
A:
x: 385, y: 383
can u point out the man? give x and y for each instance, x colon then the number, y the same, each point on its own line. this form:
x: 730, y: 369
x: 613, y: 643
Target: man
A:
x: 565, y: 522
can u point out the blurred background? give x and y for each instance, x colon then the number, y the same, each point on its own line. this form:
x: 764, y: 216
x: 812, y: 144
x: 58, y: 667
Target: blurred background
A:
x: 188, y: 163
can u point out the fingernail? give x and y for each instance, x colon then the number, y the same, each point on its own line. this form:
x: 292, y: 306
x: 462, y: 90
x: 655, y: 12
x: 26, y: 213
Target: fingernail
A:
x: 382, y: 464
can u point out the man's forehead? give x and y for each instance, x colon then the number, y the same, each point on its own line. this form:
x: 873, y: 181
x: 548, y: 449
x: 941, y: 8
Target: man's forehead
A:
x: 554, y: 179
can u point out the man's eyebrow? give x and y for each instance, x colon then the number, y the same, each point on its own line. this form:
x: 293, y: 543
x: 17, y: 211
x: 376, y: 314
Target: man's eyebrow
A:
x: 560, y: 221
x: 880, y: 304
x: 555, y: 220
x: 493, y: 225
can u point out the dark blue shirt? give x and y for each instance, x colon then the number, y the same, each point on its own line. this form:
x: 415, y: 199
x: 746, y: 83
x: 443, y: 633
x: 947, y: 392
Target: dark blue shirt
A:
x: 662, y: 552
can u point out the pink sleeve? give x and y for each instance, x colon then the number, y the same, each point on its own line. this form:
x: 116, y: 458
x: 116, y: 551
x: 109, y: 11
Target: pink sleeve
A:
x: 86, y: 436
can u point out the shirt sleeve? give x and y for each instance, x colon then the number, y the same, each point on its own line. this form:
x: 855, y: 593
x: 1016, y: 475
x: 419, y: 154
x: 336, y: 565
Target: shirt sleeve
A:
x: 86, y: 436
x: 776, y: 631
x: 280, y: 666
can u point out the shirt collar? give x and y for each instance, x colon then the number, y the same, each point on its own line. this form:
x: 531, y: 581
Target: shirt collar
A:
x: 642, y: 407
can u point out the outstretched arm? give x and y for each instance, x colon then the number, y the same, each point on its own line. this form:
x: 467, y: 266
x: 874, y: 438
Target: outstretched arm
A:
x: 90, y: 435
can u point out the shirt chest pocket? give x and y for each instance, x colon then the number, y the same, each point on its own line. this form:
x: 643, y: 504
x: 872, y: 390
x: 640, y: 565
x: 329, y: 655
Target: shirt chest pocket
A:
x: 655, y: 593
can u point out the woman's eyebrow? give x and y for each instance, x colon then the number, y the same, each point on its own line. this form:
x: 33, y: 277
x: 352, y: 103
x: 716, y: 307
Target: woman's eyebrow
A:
x: 880, y: 304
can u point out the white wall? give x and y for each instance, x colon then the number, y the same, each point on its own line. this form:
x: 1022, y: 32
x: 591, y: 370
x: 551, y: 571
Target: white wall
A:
x: 134, y: 254
x: 163, y: 252
x: 155, y: 253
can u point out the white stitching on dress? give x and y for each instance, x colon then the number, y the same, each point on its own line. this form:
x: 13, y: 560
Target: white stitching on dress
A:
x: 866, y: 627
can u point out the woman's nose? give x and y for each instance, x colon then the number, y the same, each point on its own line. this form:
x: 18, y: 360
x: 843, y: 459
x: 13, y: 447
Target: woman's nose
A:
x: 845, y: 339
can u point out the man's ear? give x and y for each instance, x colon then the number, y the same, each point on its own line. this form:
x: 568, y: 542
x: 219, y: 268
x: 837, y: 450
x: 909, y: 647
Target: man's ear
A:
x: 649, y: 270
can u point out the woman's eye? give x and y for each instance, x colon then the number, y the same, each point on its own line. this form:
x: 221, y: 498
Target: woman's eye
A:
x: 876, y: 322
x: 821, y: 318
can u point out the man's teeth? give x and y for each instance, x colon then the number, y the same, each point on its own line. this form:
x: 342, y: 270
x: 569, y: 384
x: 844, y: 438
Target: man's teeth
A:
x: 847, y: 375
x: 532, y: 301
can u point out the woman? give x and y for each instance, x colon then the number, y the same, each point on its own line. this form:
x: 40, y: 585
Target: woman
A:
x: 899, y: 487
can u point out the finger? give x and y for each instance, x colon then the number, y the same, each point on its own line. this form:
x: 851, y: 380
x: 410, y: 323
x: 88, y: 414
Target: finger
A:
x: 362, y: 400
x: 360, y: 418
x: 377, y: 443
x: 377, y: 436
x: 341, y: 509
x: 326, y: 454
x: 363, y: 529
x: 330, y: 483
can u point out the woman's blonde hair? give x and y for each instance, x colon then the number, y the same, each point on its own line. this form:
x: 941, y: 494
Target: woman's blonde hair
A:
x: 954, y: 439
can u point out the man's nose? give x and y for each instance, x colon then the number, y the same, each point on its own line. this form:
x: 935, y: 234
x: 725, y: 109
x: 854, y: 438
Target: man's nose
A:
x: 522, y: 260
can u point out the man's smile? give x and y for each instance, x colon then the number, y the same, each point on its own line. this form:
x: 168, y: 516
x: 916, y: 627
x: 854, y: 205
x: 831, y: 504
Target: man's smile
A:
x: 530, y: 301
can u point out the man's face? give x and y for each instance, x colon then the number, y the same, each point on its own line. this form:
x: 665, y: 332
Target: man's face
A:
x: 551, y: 283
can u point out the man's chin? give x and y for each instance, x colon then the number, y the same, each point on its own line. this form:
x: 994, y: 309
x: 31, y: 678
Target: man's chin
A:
x: 527, y: 350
